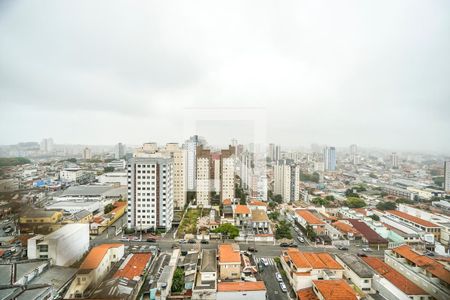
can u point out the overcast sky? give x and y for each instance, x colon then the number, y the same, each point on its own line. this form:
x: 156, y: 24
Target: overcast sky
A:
x: 330, y: 72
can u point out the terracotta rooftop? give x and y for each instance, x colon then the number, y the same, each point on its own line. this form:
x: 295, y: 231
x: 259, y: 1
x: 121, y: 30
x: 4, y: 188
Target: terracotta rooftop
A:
x: 229, y: 253
x: 96, y: 255
x: 133, y: 266
x: 345, y: 228
x: 431, y: 265
x: 309, y: 217
x: 310, y: 260
x: 396, y: 278
x: 242, y: 209
x: 306, y: 294
x: 241, y: 286
x: 259, y: 215
x: 258, y: 203
x: 411, y: 218
x: 227, y: 202
x: 335, y: 289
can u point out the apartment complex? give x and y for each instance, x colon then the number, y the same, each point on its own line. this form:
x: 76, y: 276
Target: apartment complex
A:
x: 286, y: 181
x: 447, y: 176
x: 150, y: 192
x: 329, y: 158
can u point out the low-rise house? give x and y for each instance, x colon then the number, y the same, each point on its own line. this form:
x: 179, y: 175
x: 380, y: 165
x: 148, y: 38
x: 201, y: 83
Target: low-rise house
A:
x: 356, y: 271
x: 306, y: 218
x: 95, y: 266
x: 369, y: 236
x: 205, y: 283
x: 63, y: 247
x: 429, y: 274
x: 242, y: 215
x: 256, y: 204
x: 241, y: 290
x: 229, y: 261
x: 303, y: 267
x: 347, y: 230
x: 333, y: 290
x: 417, y: 222
x: 391, y: 284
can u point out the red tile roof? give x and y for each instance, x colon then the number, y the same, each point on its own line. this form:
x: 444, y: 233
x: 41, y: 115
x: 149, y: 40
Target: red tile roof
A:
x: 396, y: 278
x: 309, y: 217
x: 335, y: 289
x: 310, y: 260
x: 257, y: 203
x: 371, y: 236
x: 411, y: 218
x: 345, y: 228
x: 241, y: 286
x: 306, y: 294
x: 432, y: 266
x: 227, y: 202
x: 229, y: 254
x: 133, y: 266
x: 242, y: 209
x: 96, y: 255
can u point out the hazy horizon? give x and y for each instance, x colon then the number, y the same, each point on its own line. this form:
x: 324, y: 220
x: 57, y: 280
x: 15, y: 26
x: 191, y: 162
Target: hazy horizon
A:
x: 373, y: 74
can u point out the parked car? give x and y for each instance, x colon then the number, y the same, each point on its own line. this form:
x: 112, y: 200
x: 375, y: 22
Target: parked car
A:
x: 278, y: 277
x: 252, y: 249
x: 343, y: 248
x: 366, y: 249
x: 362, y: 255
x: 429, y: 253
x: 204, y: 241
x: 301, y: 240
x: 284, y: 245
x: 292, y: 245
x: 192, y: 241
x: 264, y: 261
x: 283, y: 287
x: 151, y: 240
x: 175, y: 246
x: 182, y: 241
x: 8, y: 230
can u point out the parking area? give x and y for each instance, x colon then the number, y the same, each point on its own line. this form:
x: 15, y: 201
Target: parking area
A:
x: 268, y: 272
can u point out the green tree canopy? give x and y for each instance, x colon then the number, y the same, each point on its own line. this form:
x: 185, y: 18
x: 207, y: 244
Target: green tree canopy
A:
x: 283, y: 230
x: 278, y: 198
x: 108, y: 208
x: 178, y: 280
x: 354, y: 202
x: 108, y: 169
x: 13, y: 161
x: 387, y: 205
x: 227, y: 229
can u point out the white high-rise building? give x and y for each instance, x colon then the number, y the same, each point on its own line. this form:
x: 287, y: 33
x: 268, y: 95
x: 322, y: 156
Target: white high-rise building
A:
x: 394, y: 160
x: 150, y: 192
x: 87, y: 154
x: 329, y: 158
x: 191, y: 160
x: 286, y: 181
x: 204, y: 174
x: 46, y: 145
x: 447, y: 176
x: 354, y: 154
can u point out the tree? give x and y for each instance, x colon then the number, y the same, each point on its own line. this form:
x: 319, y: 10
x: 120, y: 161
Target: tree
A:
x: 404, y: 200
x: 108, y: 208
x: 310, y: 232
x: 354, y: 202
x: 13, y: 161
x: 320, y: 201
x: 372, y: 175
x: 274, y: 215
x: 108, y: 169
x: 386, y: 205
x: 283, y: 231
x: 329, y: 198
x: 72, y: 160
x: 278, y: 198
x: 350, y: 193
x: 272, y: 204
x: 374, y: 217
x: 178, y: 280
x: 227, y: 229
x: 314, y: 177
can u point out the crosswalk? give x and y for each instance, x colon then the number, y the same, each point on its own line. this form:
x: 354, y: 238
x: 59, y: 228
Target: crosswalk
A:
x: 270, y: 261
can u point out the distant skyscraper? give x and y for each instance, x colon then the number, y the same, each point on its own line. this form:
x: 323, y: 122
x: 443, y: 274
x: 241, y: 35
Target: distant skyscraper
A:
x: 87, y: 154
x: 227, y: 169
x: 204, y: 173
x: 354, y: 154
x: 191, y: 163
x: 329, y: 158
x: 46, y: 145
x: 150, y: 193
x: 447, y: 176
x: 119, y: 151
x: 394, y: 160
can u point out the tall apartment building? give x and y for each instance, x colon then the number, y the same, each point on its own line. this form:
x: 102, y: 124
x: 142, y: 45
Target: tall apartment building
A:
x: 329, y: 158
x: 119, y: 151
x: 87, y: 154
x: 150, y: 192
x: 227, y: 165
x: 205, y: 174
x: 447, y: 176
x: 354, y: 154
x: 286, y: 181
x: 394, y: 160
x: 191, y: 160
x: 46, y: 145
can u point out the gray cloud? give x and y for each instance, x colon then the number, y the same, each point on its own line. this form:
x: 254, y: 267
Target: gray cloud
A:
x: 370, y: 73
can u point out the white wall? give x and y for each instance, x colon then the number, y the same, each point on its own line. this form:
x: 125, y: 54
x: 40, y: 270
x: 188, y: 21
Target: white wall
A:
x: 248, y: 295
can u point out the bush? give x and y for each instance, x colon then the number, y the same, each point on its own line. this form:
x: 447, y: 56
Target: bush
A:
x: 283, y: 231
x: 386, y: 205
x: 227, y: 229
x: 108, y: 208
x: 354, y: 202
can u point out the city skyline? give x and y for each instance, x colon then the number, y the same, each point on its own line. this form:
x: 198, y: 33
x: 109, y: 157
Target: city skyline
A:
x: 324, y: 73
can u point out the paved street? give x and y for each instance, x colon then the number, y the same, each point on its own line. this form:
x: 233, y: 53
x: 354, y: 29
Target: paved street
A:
x: 274, y: 291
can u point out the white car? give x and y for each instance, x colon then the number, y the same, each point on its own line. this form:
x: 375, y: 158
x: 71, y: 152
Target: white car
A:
x: 278, y: 276
x: 302, y: 240
x: 264, y: 261
x: 283, y: 287
x: 367, y: 250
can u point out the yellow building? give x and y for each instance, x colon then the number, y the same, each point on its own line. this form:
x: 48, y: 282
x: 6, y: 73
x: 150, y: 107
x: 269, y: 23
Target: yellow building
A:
x: 34, y: 216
